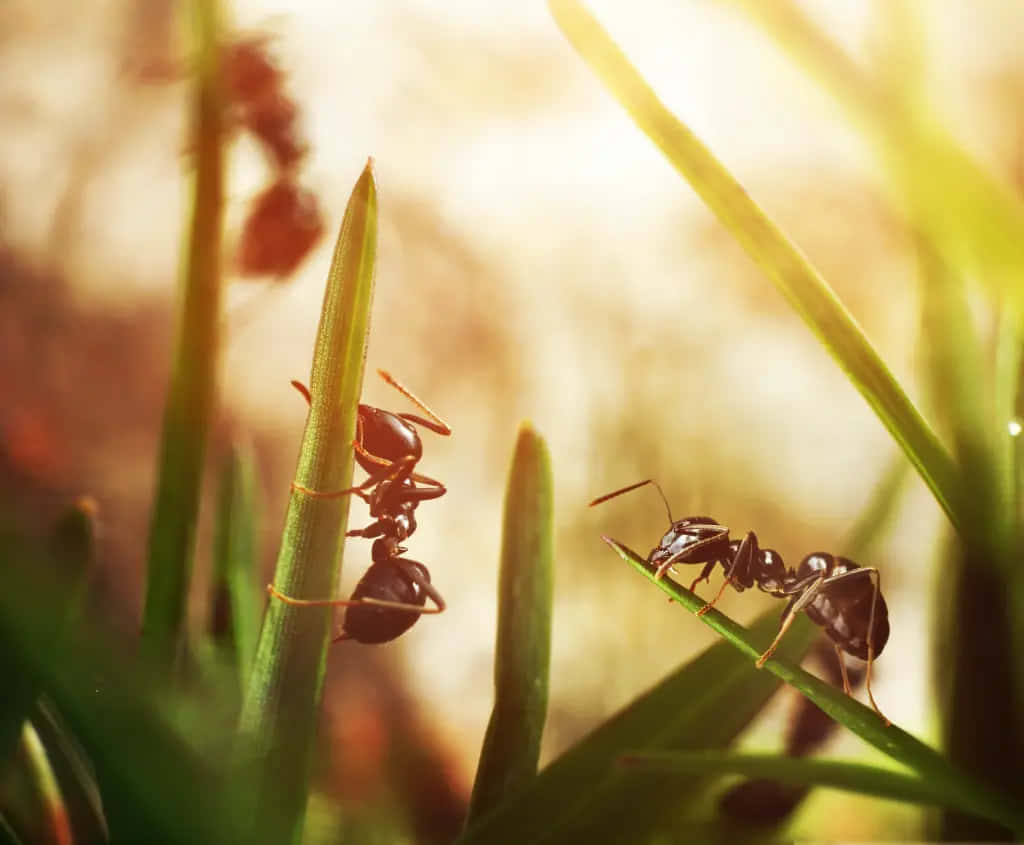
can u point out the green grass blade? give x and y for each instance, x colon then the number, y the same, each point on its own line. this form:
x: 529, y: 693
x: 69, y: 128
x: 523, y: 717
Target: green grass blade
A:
x: 890, y: 740
x: 585, y: 796
x: 281, y: 709
x: 235, y: 623
x: 511, y: 748
x: 836, y: 774
x: 794, y: 276
x: 190, y: 399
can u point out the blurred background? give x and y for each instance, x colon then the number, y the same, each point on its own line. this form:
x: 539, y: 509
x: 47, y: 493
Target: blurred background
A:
x: 539, y: 259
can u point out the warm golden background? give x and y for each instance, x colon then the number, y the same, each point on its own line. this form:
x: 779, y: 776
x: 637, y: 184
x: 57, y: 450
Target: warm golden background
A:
x: 538, y: 259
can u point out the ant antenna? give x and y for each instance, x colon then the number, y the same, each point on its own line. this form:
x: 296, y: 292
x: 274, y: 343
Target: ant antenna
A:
x: 619, y: 492
x: 412, y: 397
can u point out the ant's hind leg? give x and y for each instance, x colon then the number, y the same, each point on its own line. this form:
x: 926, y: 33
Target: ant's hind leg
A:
x: 875, y: 578
x: 842, y: 669
x: 799, y: 602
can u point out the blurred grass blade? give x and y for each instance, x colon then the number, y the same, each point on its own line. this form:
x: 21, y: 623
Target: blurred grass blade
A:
x: 235, y: 623
x: 875, y: 518
x: 833, y: 774
x: 970, y: 218
x: 794, y: 276
x: 282, y: 705
x: 191, y: 395
x: 584, y: 796
x: 890, y: 740
x: 511, y: 748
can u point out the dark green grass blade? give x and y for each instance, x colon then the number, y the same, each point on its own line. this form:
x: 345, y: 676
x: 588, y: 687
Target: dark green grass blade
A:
x: 835, y: 774
x: 190, y: 399
x: 282, y: 705
x: 584, y: 796
x: 7, y: 834
x: 891, y: 740
x: 511, y: 748
x: 155, y: 786
x: 70, y: 557
x: 234, y: 625
x: 794, y: 276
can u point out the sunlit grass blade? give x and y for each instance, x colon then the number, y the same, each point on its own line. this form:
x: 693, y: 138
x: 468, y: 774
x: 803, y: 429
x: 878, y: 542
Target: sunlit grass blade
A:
x: 236, y: 602
x: 511, y: 748
x: 891, y: 740
x: 836, y: 774
x: 584, y: 796
x: 30, y: 797
x: 794, y: 276
x: 282, y: 705
x: 190, y: 398
x: 970, y: 218
x: 74, y: 772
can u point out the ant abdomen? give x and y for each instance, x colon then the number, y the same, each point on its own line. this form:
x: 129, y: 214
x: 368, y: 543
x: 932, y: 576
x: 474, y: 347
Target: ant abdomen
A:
x: 844, y: 609
x: 388, y: 581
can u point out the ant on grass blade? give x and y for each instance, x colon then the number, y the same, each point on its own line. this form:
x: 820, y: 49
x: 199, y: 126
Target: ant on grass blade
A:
x: 392, y: 594
x: 840, y: 596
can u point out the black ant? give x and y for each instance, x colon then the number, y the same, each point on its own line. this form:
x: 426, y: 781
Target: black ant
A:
x: 392, y: 594
x: 841, y: 596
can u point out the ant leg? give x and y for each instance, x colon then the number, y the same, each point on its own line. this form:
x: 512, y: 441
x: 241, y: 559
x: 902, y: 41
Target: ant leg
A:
x: 415, y: 576
x: 741, y: 562
x: 799, y: 602
x: 435, y: 423
x: 431, y: 592
x: 842, y: 668
x: 400, y: 470
x: 705, y: 574
x: 711, y: 604
x: 299, y: 386
x: 876, y: 580
x: 374, y: 529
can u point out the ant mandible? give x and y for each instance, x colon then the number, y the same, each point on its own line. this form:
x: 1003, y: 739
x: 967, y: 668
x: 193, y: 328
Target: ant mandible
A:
x: 392, y: 594
x: 842, y: 597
